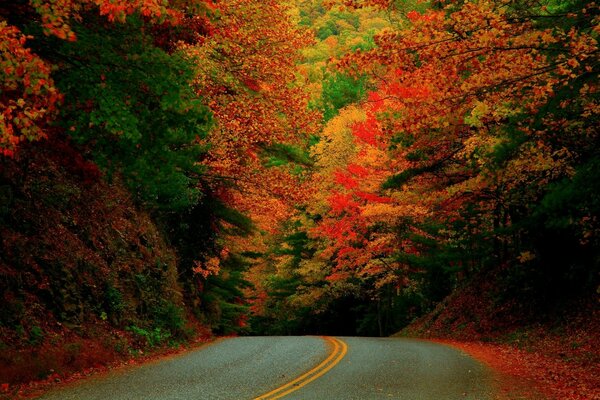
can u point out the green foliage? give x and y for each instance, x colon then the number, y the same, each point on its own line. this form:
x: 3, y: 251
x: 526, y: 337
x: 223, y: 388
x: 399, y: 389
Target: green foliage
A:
x: 396, y: 181
x: 367, y: 44
x: 36, y: 335
x: 401, y: 140
x: 132, y: 104
x: 339, y: 90
x: 282, y: 287
x: 169, y: 317
x: 282, y: 154
x: 298, y: 245
x: 388, y: 313
x: 435, y: 264
x: 356, y: 312
x: 560, y: 235
x: 152, y: 337
x: 223, y: 297
x: 568, y: 201
x: 330, y: 29
x: 240, y: 224
x: 113, y: 302
x: 513, y: 141
x: 281, y: 316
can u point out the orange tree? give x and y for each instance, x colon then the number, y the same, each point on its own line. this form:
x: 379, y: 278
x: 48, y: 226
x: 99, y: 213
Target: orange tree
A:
x: 247, y: 76
x: 490, y: 110
x: 481, y: 132
x: 256, y: 161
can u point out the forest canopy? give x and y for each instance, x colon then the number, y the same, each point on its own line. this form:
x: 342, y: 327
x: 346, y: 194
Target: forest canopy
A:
x: 315, y: 166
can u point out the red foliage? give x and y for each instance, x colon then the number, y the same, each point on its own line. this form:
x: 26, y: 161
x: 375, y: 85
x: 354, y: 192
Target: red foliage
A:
x: 251, y: 84
x: 340, y: 202
x: 371, y: 197
x: 28, y: 97
x: 376, y: 101
x: 338, y: 276
x: 343, y: 230
x: 366, y: 131
x: 346, y: 251
x: 358, y: 170
x: 74, y: 163
x: 415, y: 16
x: 407, y: 92
x: 345, y: 180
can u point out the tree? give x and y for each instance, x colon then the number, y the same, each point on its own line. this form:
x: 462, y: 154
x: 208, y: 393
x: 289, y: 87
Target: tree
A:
x: 247, y: 75
x: 29, y: 98
x: 478, y: 124
x: 478, y: 142
x: 132, y: 103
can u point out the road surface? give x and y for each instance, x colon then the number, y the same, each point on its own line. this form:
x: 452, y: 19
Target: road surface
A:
x: 306, y: 367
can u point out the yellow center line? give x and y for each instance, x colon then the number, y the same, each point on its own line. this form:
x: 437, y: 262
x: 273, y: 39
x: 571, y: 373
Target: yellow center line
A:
x: 339, y: 351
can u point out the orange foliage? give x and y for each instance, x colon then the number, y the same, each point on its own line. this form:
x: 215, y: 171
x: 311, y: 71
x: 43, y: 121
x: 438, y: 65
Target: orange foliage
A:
x: 246, y: 70
x: 446, y: 82
x: 57, y: 14
x: 355, y: 203
x: 28, y: 97
x: 464, y: 72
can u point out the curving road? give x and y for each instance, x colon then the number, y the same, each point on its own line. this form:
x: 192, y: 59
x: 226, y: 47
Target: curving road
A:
x: 307, y: 367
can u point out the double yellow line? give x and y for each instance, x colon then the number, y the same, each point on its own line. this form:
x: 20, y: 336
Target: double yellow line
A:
x: 339, y: 351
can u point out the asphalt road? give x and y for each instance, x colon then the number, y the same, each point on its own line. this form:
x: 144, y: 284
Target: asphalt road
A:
x: 304, y: 368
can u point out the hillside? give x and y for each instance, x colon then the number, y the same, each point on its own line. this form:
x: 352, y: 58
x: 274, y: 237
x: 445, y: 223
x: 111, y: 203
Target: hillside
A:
x: 551, y: 349
x: 86, y: 276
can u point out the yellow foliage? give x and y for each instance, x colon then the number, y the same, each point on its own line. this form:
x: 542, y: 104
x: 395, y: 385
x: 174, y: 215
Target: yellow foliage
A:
x: 212, y: 266
x: 308, y: 297
x: 337, y: 148
x: 313, y: 270
x: 480, y: 110
x: 537, y: 165
x: 526, y: 256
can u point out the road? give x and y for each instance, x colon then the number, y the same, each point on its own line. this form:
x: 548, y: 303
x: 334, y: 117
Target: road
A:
x: 306, y: 367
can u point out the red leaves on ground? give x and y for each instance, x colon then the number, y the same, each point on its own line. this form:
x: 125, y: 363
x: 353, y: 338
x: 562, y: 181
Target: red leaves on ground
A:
x: 520, y: 372
x: 93, y: 358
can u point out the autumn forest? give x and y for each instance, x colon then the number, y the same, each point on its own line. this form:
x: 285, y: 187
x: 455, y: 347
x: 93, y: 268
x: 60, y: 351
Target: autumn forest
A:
x: 172, y: 170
